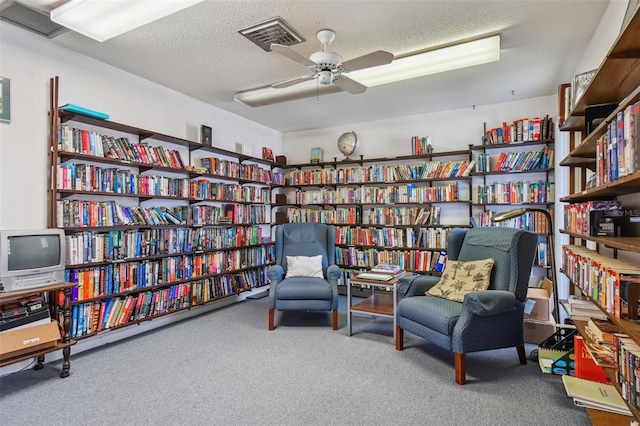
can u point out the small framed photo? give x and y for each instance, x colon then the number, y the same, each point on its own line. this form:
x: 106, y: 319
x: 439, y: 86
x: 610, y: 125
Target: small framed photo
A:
x: 5, y: 100
x: 267, y: 154
x: 580, y: 84
x: 206, y: 135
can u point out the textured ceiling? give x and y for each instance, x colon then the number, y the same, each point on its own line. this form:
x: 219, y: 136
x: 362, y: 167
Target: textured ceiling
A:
x: 199, y: 52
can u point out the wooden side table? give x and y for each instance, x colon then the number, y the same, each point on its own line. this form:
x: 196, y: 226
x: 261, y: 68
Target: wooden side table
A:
x: 65, y: 342
x: 379, y: 303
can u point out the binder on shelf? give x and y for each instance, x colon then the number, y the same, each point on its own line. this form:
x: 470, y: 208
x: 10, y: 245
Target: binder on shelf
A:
x: 85, y: 111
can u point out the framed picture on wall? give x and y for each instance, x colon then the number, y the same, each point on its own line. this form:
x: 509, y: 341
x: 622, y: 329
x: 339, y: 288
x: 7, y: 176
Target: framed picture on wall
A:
x: 5, y: 100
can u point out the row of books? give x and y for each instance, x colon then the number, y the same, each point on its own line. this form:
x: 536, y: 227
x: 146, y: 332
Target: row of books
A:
x: 530, y: 221
x: 421, y: 145
x: 577, y: 216
x: 435, y: 170
x: 618, y: 149
x: 87, y: 177
x: 203, y: 189
x: 90, y: 213
x: 409, y: 260
x: 515, y: 161
x: 522, y: 130
x: 522, y: 192
x: 434, y: 238
x: 379, y: 173
x: 114, y: 278
x: 403, y: 216
x: 88, y: 142
x: 340, y: 215
x: 97, y: 316
x: 96, y: 247
x: 379, y: 195
x: 604, y: 279
x: 232, y: 169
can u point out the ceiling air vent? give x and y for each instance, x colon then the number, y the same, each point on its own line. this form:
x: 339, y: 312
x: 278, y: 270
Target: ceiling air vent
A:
x: 275, y: 30
x: 34, y: 20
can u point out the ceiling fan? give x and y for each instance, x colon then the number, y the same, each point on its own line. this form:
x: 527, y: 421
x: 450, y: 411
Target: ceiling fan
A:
x: 328, y: 68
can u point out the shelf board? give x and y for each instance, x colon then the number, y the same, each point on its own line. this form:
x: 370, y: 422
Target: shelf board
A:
x: 631, y: 244
x: 512, y: 144
x: 618, y: 75
x: 623, y: 186
x: 44, y: 351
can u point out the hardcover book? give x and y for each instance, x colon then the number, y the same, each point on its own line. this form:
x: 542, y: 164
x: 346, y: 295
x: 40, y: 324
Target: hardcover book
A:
x: 206, y: 135
x: 316, y: 155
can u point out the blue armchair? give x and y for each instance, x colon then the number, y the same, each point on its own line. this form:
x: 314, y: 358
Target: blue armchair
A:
x: 488, y: 319
x: 304, y: 293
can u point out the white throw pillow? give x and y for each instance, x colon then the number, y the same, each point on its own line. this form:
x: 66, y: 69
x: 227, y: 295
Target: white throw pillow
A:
x: 304, y: 266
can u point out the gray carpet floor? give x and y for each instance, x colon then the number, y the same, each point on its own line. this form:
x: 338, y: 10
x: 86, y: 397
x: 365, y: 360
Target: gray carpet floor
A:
x: 225, y: 368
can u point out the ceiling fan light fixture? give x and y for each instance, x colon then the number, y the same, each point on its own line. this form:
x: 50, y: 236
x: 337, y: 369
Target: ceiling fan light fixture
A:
x: 435, y: 61
x: 102, y: 20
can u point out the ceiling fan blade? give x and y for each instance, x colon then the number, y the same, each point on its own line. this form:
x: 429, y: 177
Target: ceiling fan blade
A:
x: 293, y: 81
x: 373, y: 59
x: 349, y: 85
x: 292, y: 54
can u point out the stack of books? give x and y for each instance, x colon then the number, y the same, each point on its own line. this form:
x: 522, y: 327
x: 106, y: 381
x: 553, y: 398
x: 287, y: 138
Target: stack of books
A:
x: 581, y: 309
x: 382, y: 272
x: 601, y: 348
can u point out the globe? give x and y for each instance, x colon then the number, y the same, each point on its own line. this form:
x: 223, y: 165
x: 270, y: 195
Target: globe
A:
x: 347, y: 143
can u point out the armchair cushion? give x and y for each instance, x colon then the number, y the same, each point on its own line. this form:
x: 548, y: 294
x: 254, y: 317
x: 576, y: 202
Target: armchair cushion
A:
x: 460, y: 278
x: 304, y: 266
x: 441, y: 314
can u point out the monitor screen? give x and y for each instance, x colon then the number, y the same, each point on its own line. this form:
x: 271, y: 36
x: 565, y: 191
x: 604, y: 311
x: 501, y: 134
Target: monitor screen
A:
x: 27, y: 252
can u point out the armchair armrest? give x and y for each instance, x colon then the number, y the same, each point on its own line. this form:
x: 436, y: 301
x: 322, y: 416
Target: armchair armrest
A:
x: 415, y: 285
x: 275, y: 273
x: 489, y: 302
x: 333, y: 273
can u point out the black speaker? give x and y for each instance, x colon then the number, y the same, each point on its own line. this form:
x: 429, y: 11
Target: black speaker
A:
x: 595, y: 114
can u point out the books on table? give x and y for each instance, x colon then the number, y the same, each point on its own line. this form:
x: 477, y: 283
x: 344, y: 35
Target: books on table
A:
x: 376, y: 276
x: 387, y: 268
x: 601, y: 396
x: 382, y: 272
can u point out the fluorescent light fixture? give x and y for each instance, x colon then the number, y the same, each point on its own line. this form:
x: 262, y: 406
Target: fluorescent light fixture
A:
x: 104, y: 19
x: 435, y: 61
x: 450, y: 58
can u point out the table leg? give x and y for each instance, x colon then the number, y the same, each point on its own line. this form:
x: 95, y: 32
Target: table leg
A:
x: 395, y: 308
x: 349, y: 307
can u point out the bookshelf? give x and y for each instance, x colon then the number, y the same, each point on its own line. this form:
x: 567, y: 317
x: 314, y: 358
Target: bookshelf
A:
x: 616, y: 81
x: 154, y: 224
x: 385, y: 210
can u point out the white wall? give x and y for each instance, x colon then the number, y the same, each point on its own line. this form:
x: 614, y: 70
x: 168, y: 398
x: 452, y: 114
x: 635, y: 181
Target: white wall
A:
x: 449, y: 130
x: 30, y: 61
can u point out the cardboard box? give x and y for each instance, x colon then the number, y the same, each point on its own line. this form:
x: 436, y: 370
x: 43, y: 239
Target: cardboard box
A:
x: 29, y: 339
x: 539, y: 301
x: 537, y: 331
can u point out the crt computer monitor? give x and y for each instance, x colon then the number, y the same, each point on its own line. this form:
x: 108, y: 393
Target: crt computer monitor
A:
x: 31, y: 258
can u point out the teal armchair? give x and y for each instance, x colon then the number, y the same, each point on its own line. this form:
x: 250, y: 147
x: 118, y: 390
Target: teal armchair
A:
x: 487, y: 319
x: 306, y: 292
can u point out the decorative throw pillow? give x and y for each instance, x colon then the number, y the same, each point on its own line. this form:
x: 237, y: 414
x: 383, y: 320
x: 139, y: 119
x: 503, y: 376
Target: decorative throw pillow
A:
x: 304, y: 266
x: 460, y: 278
